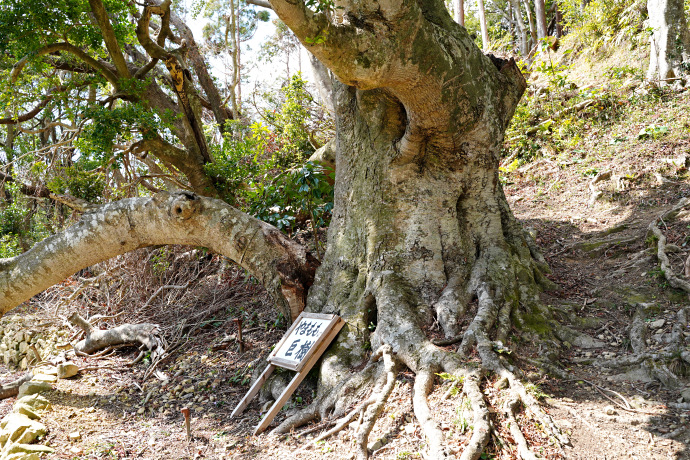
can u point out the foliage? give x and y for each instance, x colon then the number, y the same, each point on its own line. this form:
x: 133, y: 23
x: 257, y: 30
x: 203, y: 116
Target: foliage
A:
x: 79, y: 180
x: 293, y: 197
x: 242, y: 157
x: 22, y: 222
x: 128, y: 122
x: 26, y: 25
x: 217, y: 29
x: 652, y: 132
x: 282, y: 43
x: 605, y: 22
x: 292, y: 121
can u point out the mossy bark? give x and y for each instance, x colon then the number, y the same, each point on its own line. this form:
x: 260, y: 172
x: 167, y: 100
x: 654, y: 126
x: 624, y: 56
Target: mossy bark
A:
x: 422, y: 237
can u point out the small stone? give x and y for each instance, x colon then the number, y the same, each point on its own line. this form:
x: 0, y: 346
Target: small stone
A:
x: 658, y: 324
x: 74, y: 436
x: 44, y: 378
x: 141, y: 411
x: 76, y: 450
x: 685, y: 394
x: 409, y: 428
x: 377, y: 445
x: 609, y: 410
x: 67, y: 370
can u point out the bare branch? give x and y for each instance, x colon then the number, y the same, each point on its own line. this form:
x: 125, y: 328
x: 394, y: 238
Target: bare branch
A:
x: 281, y: 265
x: 28, y: 115
x: 261, y: 3
x: 109, y: 37
x: 68, y: 47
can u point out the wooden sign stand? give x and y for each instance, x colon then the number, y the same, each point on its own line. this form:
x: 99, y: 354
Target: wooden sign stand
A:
x: 304, y: 360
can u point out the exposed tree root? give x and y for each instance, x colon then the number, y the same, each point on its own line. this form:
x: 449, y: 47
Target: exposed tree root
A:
x: 655, y: 363
x: 400, y: 307
x: 432, y: 360
x: 370, y: 412
x: 146, y: 335
x: 510, y: 408
x: 669, y: 274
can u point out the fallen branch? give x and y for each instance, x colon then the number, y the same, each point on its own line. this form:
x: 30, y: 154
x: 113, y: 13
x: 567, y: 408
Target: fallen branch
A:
x: 11, y: 389
x: 145, y: 334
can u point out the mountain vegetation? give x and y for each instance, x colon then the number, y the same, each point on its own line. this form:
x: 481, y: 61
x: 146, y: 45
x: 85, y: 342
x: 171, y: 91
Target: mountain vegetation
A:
x: 411, y: 186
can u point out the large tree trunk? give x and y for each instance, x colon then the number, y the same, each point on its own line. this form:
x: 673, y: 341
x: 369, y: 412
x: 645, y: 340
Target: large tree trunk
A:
x: 421, y: 231
x: 670, y: 40
x: 415, y: 239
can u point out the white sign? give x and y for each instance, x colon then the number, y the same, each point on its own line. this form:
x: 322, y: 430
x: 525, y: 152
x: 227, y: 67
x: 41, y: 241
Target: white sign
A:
x: 298, y: 350
x: 306, y: 333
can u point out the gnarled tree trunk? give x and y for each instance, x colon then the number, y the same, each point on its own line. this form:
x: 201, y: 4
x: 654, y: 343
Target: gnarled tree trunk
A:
x: 420, y: 228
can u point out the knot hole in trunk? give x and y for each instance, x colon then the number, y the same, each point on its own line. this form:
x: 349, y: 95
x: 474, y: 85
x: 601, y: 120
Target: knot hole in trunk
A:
x: 184, y: 205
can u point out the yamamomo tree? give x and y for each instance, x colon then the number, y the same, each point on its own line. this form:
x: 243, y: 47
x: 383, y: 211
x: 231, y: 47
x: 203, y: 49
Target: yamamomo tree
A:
x: 421, y: 239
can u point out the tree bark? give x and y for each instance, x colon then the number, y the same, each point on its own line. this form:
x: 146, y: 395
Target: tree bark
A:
x: 670, y: 40
x: 282, y: 266
x: 420, y: 224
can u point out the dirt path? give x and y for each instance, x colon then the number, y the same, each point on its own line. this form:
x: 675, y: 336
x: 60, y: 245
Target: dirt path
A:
x: 600, y: 259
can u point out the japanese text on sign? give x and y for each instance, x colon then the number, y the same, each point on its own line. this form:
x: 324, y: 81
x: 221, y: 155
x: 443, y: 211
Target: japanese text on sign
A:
x: 302, y: 338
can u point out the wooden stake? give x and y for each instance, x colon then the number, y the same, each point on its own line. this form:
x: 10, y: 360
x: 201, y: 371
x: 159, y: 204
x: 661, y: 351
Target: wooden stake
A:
x: 238, y: 321
x: 187, y: 422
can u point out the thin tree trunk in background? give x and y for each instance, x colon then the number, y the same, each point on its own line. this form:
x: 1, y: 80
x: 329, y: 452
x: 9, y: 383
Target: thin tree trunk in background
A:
x: 482, y: 23
x: 540, y: 13
x: 559, y: 23
x: 521, y: 29
x: 530, y: 20
x: 238, y: 62
x: 230, y: 30
x: 459, y: 9
x: 670, y: 40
